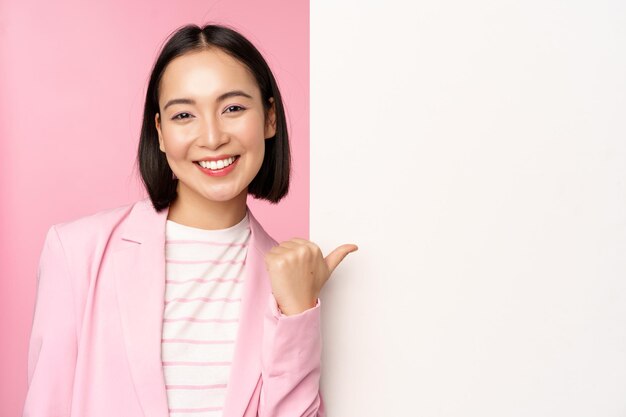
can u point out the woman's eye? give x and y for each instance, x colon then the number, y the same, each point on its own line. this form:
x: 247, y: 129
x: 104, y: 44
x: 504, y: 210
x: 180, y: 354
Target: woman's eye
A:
x: 233, y: 108
x: 180, y: 118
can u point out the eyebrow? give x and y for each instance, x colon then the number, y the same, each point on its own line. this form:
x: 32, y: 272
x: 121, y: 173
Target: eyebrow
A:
x: 229, y: 94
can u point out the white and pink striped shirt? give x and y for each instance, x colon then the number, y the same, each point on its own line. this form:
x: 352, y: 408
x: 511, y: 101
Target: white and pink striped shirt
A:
x: 203, y: 291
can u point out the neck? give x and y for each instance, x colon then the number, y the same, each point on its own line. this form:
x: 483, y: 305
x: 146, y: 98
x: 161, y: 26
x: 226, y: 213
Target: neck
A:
x: 191, y: 209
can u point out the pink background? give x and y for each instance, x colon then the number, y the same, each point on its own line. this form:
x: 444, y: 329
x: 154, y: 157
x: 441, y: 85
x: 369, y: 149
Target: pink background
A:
x: 73, y: 78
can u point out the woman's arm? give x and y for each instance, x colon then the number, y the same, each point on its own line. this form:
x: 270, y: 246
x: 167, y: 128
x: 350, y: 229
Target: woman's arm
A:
x: 53, y: 343
x: 292, y: 342
x: 291, y: 359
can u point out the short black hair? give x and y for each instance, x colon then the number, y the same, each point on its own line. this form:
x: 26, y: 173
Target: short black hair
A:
x: 272, y: 181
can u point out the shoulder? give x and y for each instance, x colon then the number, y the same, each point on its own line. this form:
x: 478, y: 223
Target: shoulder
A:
x: 262, y: 239
x: 93, y: 229
x: 100, y: 220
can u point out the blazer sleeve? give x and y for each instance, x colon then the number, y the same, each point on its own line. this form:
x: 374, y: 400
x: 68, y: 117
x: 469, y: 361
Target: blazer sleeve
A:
x: 291, y: 363
x: 53, y: 344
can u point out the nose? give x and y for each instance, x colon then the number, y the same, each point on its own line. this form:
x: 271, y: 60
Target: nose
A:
x: 213, y: 135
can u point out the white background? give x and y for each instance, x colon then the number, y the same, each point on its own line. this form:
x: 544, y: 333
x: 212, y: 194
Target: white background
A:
x: 476, y: 153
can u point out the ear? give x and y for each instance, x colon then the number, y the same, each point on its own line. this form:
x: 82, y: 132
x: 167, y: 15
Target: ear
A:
x: 157, y: 123
x: 270, y: 120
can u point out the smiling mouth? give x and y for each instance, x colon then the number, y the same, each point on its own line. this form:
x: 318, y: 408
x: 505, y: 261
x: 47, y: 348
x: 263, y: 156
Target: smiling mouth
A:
x: 215, y: 165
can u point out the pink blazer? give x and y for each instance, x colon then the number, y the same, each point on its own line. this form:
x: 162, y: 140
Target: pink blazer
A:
x: 95, y: 344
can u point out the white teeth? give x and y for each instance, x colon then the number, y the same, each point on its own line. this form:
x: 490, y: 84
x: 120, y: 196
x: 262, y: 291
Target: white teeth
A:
x: 217, y: 164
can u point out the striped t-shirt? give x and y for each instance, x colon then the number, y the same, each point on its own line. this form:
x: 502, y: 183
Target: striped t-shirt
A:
x: 203, y: 289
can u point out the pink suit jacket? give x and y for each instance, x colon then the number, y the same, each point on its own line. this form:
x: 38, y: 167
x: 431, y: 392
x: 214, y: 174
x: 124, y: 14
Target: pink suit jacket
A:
x: 95, y: 344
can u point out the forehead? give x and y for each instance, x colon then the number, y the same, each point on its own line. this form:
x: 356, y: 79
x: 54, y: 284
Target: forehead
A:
x: 206, y: 73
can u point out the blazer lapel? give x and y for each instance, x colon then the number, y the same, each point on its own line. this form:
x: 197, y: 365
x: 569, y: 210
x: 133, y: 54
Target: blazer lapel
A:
x: 246, y: 366
x: 140, y: 286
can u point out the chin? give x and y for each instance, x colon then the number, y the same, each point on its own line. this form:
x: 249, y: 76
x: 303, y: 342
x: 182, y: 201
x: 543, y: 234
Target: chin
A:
x: 222, y: 197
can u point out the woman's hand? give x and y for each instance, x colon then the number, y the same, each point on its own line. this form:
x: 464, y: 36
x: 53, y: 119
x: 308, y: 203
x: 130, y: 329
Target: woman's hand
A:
x: 298, y: 271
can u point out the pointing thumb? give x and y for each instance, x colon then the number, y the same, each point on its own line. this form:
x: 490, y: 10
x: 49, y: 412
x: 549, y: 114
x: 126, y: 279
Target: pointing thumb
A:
x: 337, y: 255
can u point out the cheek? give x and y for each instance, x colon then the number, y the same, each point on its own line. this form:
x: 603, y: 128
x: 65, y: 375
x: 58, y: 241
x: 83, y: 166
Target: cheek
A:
x: 251, y: 133
x: 175, y: 142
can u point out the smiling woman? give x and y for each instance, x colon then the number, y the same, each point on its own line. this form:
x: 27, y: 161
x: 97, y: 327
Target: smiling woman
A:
x: 213, y: 111
x: 207, y: 92
x: 181, y: 303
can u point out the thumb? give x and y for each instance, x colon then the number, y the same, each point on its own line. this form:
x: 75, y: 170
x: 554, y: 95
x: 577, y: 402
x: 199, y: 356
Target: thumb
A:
x: 336, y: 256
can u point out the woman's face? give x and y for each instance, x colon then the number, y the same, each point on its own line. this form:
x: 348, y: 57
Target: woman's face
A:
x: 211, y: 108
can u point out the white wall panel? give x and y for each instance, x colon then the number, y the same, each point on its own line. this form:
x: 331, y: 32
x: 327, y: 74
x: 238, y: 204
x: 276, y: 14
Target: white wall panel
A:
x: 476, y: 153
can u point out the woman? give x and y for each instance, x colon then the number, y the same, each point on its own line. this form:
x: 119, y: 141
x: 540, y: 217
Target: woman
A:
x: 180, y: 303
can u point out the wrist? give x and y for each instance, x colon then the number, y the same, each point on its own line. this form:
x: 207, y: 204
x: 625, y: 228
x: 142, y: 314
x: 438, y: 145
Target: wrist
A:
x: 295, y: 308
